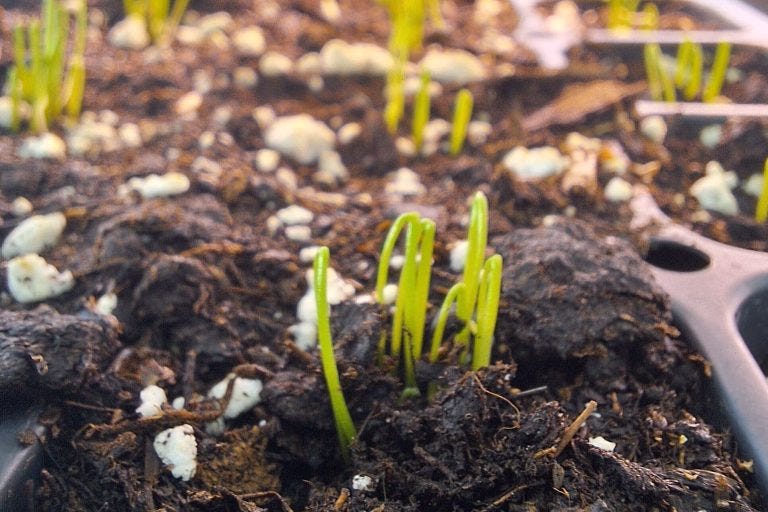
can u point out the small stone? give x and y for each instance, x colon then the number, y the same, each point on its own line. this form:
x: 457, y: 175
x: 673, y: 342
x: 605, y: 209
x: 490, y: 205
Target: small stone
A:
x: 21, y: 206
x: 339, y: 57
x: 264, y: 116
x: 478, y: 132
x: 404, y: 182
x: 267, y: 160
x: 330, y: 169
x: 298, y: 233
x: 452, y: 66
x: 130, y: 135
x: 274, y: 64
x: 34, y: 235
x: 713, y: 191
x: 300, y: 137
x: 45, y: 146
x: 154, y: 185
x: 249, y: 41
x: 536, y: 163
x: 349, y: 132
x: 618, y: 190
x: 188, y: 104
x: 710, y: 136
x: 287, y: 178
x: 32, y: 279
x: 654, y: 128
x: 602, y: 443
x: 129, y: 33
x: 295, y: 215
x: 177, y: 448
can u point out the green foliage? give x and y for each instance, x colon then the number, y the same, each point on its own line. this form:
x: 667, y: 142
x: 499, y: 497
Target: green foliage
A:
x: 462, y: 114
x: 688, y: 69
x: 160, y: 18
x: 345, y: 428
x: 761, y: 211
x: 393, y: 111
x: 408, y: 320
x: 39, y: 74
x: 421, y: 109
x: 687, y: 72
x: 487, y: 311
x: 717, y: 73
x: 451, y: 298
x: 623, y: 15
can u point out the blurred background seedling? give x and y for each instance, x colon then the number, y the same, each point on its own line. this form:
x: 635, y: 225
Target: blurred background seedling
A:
x: 160, y: 18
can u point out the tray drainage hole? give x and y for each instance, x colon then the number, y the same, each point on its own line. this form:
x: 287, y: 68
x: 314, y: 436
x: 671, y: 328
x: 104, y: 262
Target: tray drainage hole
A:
x: 676, y: 256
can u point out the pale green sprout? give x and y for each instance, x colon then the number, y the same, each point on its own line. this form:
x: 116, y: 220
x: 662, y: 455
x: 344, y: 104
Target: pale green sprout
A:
x: 462, y: 114
x: 421, y: 108
x: 451, y: 298
x: 161, y: 19
x: 393, y: 111
x: 761, y: 211
x: 477, y: 240
x: 487, y: 311
x: 345, y: 428
x: 660, y: 83
x: 717, y: 73
x: 412, y: 292
x: 688, y: 69
x: 623, y: 15
x: 39, y: 62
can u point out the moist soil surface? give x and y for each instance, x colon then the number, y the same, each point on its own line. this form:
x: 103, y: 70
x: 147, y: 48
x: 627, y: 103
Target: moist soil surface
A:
x: 585, y: 347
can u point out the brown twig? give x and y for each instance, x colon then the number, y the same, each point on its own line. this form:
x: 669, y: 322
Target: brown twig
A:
x: 568, y: 433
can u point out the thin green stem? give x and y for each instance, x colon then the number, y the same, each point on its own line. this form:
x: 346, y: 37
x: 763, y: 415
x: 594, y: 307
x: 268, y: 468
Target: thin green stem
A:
x: 403, y: 321
x: 477, y: 239
x: 421, y: 107
x: 453, y: 296
x: 761, y: 211
x: 717, y: 73
x: 487, y: 311
x: 423, y: 277
x: 386, y: 250
x: 462, y: 114
x: 345, y: 428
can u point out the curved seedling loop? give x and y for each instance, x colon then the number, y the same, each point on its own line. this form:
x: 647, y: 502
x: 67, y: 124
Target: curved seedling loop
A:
x: 453, y: 296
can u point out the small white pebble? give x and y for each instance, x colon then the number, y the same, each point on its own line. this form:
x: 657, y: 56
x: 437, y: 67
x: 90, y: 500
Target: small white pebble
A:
x: 349, y: 132
x: 602, y: 443
x: 106, y: 304
x: 459, y: 255
x: 713, y: 191
x: 389, y: 294
x: 294, y: 215
x: 34, y: 235
x: 206, y: 139
x: 654, y: 128
x: 32, y: 279
x: 287, y: 178
x: 273, y: 224
x: 710, y: 136
x: 273, y: 64
x: 330, y: 10
x: 309, y: 64
x: 453, y: 66
x: 155, y: 185
x: 405, y: 146
x: 264, y: 116
x: 618, y: 190
x: 129, y: 33
x: 404, y: 182
x: 246, y: 393
x: 21, y: 206
x: 307, y: 254
x: 298, y: 233
x: 362, y: 483
x: 152, y: 400
x: 249, y: 41
x: 188, y: 104
x: 478, y: 132
x: 304, y: 335
x: 177, y: 449
x: 178, y: 403
x: 753, y: 185
x: 300, y: 137
x: 130, y: 135
x: 267, y: 160
x: 48, y: 146
x: 330, y: 169
x: 536, y: 163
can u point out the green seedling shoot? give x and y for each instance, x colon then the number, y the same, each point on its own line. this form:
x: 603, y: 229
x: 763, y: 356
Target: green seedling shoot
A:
x: 462, y: 114
x: 161, y: 19
x: 477, y: 240
x: 623, y: 15
x: 393, y: 111
x: 39, y: 63
x: 761, y: 211
x: 717, y: 73
x: 345, y: 428
x: 451, y: 298
x: 687, y: 73
x: 421, y: 109
x: 487, y: 311
x: 688, y: 69
x: 660, y: 84
x: 408, y: 320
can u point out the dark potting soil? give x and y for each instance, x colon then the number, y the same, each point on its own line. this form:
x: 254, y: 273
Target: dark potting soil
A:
x: 204, y: 288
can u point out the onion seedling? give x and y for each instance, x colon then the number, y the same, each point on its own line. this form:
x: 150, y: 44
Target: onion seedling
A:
x: 462, y: 114
x: 345, y: 428
x: 413, y: 289
x: 688, y: 69
x: 420, y: 111
x: 393, y: 111
x: 161, y: 19
x: 717, y: 73
x: 761, y: 211
x: 39, y: 63
x: 487, y: 311
x: 660, y: 83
